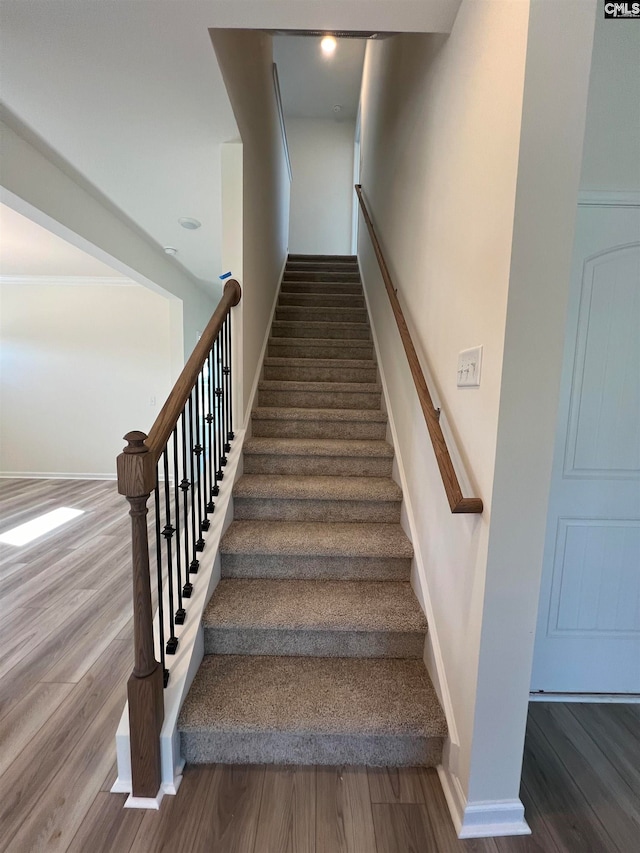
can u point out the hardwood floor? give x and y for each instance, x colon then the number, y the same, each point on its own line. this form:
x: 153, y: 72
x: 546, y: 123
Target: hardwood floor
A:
x: 66, y: 655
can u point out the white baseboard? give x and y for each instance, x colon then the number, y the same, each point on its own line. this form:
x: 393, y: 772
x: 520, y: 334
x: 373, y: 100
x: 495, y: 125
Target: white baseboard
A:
x: 601, y: 698
x: 483, y: 819
x: 52, y: 475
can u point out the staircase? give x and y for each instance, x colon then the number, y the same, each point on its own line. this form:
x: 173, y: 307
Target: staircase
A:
x: 313, y: 637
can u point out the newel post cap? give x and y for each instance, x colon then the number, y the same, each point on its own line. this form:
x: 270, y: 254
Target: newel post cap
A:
x: 136, y: 471
x: 135, y: 442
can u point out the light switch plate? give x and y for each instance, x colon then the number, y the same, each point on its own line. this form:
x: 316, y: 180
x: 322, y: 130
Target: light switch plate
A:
x: 469, y: 364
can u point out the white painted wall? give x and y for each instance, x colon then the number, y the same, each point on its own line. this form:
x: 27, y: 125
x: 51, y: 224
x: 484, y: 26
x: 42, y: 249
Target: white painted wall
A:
x: 455, y: 172
x: 321, y: 190
x: 36, y: 185
x: 79, y: 366
x: 611, y: 157
x: 246, y: 60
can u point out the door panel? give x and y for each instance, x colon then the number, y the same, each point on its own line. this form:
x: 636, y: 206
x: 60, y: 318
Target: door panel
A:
x: 588, y: 635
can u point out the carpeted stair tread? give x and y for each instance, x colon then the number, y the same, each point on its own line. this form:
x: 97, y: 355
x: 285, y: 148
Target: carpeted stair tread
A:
x: 331, y: 387
x: 320, y: 329
x: 313, y: 605
x: 334, y: 287
x: 317, y: 488
x: 322, y: 258
x: 318, y: 447
x: 339, y: 415
x: 321, y: 300
x: 280, y: 361
x: 321, y: 313
x: 374, y: 696
x: 325, y: 348
x: 322, y: 539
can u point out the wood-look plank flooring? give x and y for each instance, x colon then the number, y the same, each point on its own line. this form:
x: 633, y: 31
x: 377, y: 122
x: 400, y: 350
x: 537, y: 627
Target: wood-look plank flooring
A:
x: 66, y: 654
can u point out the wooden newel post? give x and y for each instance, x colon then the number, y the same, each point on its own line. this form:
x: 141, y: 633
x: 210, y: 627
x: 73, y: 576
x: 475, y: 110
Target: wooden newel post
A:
x: 136, y: 481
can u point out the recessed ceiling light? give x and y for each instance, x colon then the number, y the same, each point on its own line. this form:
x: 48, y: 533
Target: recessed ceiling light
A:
x: 328, y: 45
x: 171, y: 250
x: 189, y: 223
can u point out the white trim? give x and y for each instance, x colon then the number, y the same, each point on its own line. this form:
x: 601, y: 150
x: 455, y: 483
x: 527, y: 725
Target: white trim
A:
x: 70, y: 280
x: 52, y: 475
x: 438, y: 677
x: 488, y: 819
x: 607, y: 198
x: 595, y: 698
x: 263, y: 351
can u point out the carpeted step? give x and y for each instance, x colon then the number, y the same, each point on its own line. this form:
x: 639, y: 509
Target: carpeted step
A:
x: 322, y: 275
x: 322, y: 266
x: 313, y: 456
x: 325, y: 287
x: 319, y: 348
x: 300, y: 498
x: 315, y: 550
x: 321, y: 314
x: 324, y: 300
x: 375, y: 619
x: 273, y: 421
x: 320, y: 395
x: 335, y: 331
x: 303, y: 710
x: 323, y: 258
x: 320, y: 370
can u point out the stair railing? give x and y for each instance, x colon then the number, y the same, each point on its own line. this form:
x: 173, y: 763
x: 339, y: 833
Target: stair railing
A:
x: 180, y: 463
x: 457, y: 502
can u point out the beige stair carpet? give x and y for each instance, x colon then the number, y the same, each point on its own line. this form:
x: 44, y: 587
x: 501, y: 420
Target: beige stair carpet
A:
x: 314, y: 638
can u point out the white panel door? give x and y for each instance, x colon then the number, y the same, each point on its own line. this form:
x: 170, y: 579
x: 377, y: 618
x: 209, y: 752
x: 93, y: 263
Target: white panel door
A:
x: 588, y: 634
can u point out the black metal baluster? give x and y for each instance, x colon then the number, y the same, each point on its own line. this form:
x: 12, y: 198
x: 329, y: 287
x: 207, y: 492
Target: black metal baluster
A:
x: 185, y: 485
x: 197, y: 451
x: 167, y: 531
x: 216, y: 430
x: 165, y: 671
x: 230, y: 434
x: 205, y: 524
x: 195, y: 563
x: 212, y: 444
x: 225, y: 382
x: 222, y: 459
x: 180, y: 612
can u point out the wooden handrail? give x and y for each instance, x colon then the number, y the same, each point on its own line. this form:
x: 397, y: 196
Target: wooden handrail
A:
x: 172, y: 409
x: 457, y: 502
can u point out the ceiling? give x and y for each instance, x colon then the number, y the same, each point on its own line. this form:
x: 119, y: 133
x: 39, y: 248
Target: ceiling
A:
x: 129, y: 93
x: 312, y: 84
x: 134, y: 100
x: 27, y: 249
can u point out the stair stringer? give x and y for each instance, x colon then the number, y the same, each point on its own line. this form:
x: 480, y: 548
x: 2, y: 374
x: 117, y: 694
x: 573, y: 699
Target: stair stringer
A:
x: 433, y: 659
x: 190, y: 654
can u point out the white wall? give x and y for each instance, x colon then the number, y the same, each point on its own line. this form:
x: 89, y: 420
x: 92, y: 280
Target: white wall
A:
x: 446, y: 171
x: 246, y: 60
x: 33, y: 182
x: 322, y: 187
x: 79, y: 366
x: 611, y: 157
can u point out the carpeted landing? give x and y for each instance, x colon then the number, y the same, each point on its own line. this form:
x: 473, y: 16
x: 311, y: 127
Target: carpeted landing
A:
x: 314, y: 638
